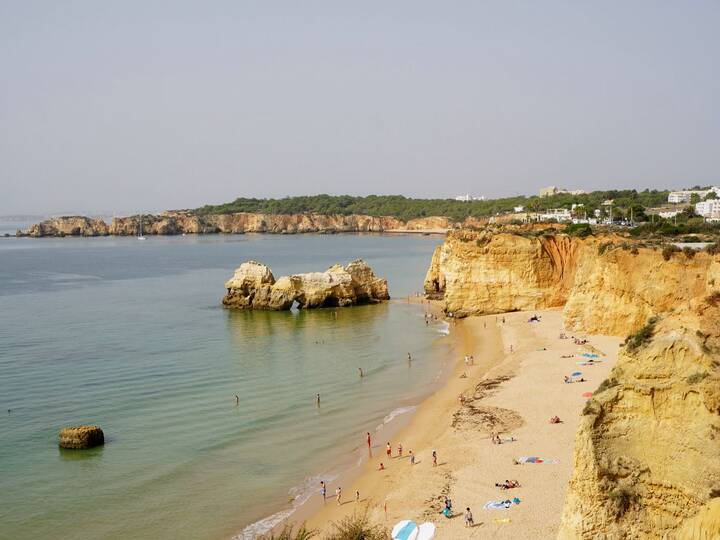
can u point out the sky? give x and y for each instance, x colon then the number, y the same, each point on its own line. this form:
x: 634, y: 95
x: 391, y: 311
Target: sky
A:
x: 147, y: 105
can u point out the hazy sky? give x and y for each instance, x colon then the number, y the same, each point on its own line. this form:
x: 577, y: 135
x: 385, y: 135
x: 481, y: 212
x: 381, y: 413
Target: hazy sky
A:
x: 124, y: 105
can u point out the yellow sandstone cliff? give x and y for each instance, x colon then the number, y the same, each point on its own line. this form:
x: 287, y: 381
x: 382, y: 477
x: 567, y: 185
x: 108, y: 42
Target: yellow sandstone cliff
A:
x: 172, y: 223
x: 647, y: 454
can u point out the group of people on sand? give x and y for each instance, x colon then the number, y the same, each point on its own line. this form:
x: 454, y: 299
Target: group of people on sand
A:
x: 389, y: 454
x: 570, y: 380
x: 338, y: 493
x: 447, y: 511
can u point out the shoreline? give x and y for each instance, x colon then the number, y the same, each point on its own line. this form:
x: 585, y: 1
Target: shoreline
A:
x: 512, y: 394
x: 345, y: 470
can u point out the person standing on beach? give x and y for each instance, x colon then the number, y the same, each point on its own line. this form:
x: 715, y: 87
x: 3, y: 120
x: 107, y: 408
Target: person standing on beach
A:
x: 323, y: 490
x: 338, y: 495
x: 388, y: 450
x: 399, y: 450
x: 469, y: 521
x: 357, y: 496
x: 361, y: 372
x: 412, y: 457
x: 317, y: 399
x: 237, y: 400
x: 434, y: 456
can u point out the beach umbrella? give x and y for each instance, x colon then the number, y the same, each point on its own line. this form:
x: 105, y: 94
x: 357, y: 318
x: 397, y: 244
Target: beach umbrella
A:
x: 405, y: 530
x: 587, y: 394
x: 577, y: 374
x: 426, y: 531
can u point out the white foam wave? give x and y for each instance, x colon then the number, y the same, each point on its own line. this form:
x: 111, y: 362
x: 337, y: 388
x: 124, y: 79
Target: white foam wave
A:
x: 445, y: 328
x: 397, y: 412
x: 300, y: 494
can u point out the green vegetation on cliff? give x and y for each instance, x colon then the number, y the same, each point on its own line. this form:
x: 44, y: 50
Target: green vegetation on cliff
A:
x: 407, y: 208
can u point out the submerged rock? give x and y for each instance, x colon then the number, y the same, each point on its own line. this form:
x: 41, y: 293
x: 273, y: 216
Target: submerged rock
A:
x: 80, y: 437
x: 253, y: 286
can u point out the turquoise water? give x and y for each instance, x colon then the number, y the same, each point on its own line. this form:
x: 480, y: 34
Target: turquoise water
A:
x: 130, y: 335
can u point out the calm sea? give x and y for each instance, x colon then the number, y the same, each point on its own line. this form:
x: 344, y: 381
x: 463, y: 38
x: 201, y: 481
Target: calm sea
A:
x: 130, y: 335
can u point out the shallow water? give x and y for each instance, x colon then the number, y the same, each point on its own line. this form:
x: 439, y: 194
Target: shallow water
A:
x: 130, y: 335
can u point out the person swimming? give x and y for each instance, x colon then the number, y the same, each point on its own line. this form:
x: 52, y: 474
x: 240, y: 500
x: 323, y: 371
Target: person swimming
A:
x: 361, y: 372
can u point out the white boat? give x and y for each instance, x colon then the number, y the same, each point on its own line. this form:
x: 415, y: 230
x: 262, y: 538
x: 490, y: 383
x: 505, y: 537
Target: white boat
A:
x: 140, y: 233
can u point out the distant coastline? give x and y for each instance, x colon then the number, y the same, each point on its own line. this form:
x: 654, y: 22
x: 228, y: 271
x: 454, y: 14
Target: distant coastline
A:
x: 181, y: 222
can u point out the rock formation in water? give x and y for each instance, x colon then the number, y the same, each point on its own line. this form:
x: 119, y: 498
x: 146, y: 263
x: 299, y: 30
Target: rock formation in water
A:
x: 173, y: 223
x: 69, y: 226
x: 80, y: 437
x: 253, y: 286
x: 647, y: 454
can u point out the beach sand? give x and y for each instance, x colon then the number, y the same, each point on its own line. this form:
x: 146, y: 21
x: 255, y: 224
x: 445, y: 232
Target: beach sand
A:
x: 513, y: 394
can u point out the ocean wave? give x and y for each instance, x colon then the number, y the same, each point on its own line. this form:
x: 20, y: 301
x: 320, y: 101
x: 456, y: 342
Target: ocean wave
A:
x: 300, y: 494
x: 397, y: 412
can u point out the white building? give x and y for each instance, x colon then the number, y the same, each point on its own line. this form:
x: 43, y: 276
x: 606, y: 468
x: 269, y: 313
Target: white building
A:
x: 468, y: 198
x: 519, y: 209
x: 709, y: 209
x: 558, y: 214
x: 684, y: 196
x: 667, y: 214
x: 554, y: 190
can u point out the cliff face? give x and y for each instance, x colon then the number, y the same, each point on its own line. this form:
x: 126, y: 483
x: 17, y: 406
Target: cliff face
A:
x: 253, y: 286
x: 69, y: 226
x: 617, y: 292
x: 481, y: 272
x: 171, y: 223
x: 647, y: 453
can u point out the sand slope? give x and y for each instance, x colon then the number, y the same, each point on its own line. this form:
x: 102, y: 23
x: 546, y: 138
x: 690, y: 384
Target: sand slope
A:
x: 512, y: 393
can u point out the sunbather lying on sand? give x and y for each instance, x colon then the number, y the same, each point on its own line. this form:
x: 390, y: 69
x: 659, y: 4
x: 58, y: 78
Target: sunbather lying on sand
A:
x: 508, y: 484
x: 555, y: 420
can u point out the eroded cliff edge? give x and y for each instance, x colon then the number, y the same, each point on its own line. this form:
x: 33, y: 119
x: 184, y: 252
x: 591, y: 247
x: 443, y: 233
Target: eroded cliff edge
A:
x: 647, y: 454
x: 174, y: 223
x: 253, y: 286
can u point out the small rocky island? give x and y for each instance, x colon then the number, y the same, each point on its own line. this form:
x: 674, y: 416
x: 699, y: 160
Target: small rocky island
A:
x: 80, y: 437
x: 254, y: 287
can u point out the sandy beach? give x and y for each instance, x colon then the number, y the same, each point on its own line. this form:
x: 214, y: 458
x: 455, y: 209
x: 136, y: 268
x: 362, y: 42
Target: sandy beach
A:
x: 510, y: 393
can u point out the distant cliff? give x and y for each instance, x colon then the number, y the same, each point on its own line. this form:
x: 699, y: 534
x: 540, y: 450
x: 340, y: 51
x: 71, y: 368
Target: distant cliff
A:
x: 647, y: 453
x: 173, y: 223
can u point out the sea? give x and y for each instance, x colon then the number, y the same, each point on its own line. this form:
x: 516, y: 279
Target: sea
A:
x: 131, y: 335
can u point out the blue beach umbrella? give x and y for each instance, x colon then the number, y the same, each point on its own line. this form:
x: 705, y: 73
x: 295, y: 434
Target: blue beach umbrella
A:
x: 405, y: 530
x: 577, y: 374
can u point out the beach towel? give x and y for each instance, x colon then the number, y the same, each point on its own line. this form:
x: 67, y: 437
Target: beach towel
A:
x: 587, y: 394
x: 501, y: 505
x: 590, y: 355
x: 585, y: 363
x: 534, y: 459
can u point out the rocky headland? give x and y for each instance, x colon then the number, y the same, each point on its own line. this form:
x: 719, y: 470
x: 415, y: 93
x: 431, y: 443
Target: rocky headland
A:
x: 253, y: 286
x: 647, y: 452
x: 175, y: 223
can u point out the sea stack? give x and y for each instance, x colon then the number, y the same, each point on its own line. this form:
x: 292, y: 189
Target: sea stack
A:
x: 253, y: 286
x: 80, y: 437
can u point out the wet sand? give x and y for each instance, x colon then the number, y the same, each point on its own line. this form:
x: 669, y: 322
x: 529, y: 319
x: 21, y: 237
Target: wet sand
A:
x: 513, y: 394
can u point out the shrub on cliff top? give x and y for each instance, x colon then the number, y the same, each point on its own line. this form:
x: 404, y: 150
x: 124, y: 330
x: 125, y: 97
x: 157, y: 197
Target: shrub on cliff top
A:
x: 688, y: 252
x: 668, y: 251
x: 713, y: 249
x: 623, y: 498
x: 602, y: 248
x: 357, y: 527
x: 696, y: 378
x: 606, y: 385
x: 580, y: 230
x: 713, y: 299
x: 634, y: 341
